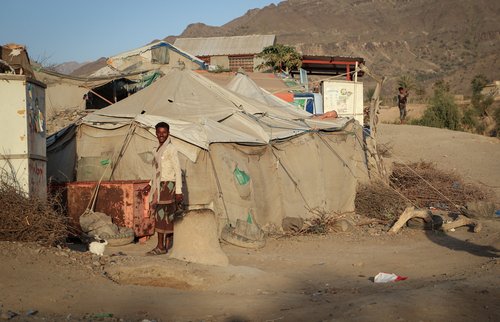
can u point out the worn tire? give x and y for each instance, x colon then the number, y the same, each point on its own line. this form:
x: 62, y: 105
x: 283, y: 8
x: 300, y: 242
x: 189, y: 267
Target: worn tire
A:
x: 125, y: 237
x: 230, y: 237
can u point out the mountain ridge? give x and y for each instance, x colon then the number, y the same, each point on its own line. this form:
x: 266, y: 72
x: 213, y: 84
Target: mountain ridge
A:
x: 428, y: 40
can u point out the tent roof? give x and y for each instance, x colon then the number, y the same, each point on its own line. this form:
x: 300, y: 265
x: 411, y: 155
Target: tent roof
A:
x: 279, y: 118
x: 178, y: 95
x: 52, y: 77
x: 187, y: 98
x: 200, y: 134
x: 154, y: 45
x: 121, y: 63
x: 245, y: 86
x: 237, y: 45
x: 269, y: 81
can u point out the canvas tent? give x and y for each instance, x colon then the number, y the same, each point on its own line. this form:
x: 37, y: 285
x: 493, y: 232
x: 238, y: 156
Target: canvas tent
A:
x: 239, y: 156
x: 146, y: 58
x: 61, y: 155
x: 122, y: 75
x: 243, y: 85
x: 65, y: 92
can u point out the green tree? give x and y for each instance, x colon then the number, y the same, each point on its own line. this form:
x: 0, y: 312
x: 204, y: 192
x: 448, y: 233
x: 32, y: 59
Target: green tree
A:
x: 280, y: 58
x: 470, y: 120
x: 407, y: 82
x: 443, y: 111
x: 478, y: 83
x: 480, y: 102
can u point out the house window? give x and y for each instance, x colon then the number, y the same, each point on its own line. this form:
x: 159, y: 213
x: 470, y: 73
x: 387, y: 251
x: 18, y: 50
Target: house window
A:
x: 245, y: 62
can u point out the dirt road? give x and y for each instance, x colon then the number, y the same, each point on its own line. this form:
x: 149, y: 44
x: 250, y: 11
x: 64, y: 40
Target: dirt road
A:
x: 312, y: 278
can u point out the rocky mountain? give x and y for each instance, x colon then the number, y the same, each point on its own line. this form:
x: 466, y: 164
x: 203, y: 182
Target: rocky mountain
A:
x: 87, y: 69
x: 68, y: 67
x: 425, y: 39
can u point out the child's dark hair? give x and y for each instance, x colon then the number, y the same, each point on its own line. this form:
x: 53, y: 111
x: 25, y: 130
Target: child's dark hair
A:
x: 400, y: 88
x: 162, y: 125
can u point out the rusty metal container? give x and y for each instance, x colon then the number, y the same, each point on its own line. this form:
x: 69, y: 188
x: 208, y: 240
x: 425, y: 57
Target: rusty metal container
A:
x: 122, y: 200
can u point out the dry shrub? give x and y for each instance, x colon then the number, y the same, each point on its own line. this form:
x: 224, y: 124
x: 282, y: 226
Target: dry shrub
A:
x: 28, y: 219
x: 377, y: 200
x: 386, y: 202
x: 321, y: 222
x: 409, y: 180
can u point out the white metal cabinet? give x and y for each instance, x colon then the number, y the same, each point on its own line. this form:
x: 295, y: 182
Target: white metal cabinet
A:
x: 23, y: 133
x: 345, y: 97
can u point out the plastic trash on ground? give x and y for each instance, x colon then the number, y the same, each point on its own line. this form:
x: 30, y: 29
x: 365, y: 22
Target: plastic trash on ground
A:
x: 387, y: 278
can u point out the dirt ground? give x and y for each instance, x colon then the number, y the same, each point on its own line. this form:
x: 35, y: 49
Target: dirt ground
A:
x: 451, y: 276
x: 474, y: 157
x: 390, y: 114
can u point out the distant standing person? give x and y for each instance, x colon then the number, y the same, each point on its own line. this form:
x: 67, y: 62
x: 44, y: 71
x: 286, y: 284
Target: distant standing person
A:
x: 402, y: 98
x: 165, y: 188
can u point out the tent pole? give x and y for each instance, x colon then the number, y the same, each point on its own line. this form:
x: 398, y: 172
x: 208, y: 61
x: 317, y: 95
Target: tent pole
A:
x: 128, y: 137
x: 93, y: 197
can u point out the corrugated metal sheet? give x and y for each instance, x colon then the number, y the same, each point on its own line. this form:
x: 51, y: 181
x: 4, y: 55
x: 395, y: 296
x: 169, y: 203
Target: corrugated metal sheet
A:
x: 216, y: 46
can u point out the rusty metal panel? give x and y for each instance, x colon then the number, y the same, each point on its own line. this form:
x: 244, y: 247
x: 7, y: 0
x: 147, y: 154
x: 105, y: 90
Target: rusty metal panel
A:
x: 122, y: 200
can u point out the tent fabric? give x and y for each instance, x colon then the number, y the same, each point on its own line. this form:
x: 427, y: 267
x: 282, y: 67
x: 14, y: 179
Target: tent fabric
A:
x: 287, y: 178
x: 148, y: 51
x: 200, y: 133
x: 294, y: 164
x: 145, y: 58
x: 176, y: 95
x: 61, y: 155
x: 206, y: 131
x: 269, y: 104
x: 188, y: 96
x: 243, y: 85
x: 67, y: 92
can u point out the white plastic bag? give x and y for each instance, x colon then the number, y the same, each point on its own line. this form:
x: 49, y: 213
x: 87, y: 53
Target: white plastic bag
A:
x: 386, y: 278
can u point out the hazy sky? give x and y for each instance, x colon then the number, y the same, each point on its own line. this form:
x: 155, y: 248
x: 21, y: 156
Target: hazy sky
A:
x: 84, y: 30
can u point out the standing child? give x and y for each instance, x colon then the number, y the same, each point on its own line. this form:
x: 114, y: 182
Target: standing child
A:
x: 402, y: 98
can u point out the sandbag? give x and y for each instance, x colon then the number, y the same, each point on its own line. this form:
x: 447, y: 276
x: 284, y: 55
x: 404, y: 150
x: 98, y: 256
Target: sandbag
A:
x: 98, y: 224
